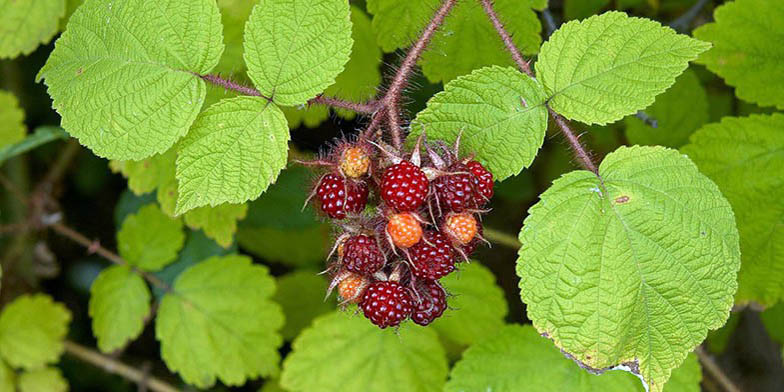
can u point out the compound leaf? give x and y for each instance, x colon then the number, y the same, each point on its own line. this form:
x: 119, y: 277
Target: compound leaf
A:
x: 219, y: 322
x: 746, y: 49
x: 301, y: 294
x: 608, y: 66
x: 477, y: 309
x: 234, y: 151
x: 150, y: 239
x: 26, y: 24
x: 12, y: 128
x: 398, y: 23
x: 294, y: 49
x: 348, y: 354
x: 124, y: 75
x: 631, y: 269
x: 499, y: 114
x: 119, y: 302
x: 149, y: 174
x: 218, y: 223
x: 745, y: 157
x: 47, y: 379
x: 32, y: 329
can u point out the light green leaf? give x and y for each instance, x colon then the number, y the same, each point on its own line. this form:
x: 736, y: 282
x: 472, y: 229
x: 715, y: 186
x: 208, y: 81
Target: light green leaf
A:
x: 119, y: 302
x: 745, y: 157
x: 609, y: 66
x: 218, y: 223
x: 234, y: 14
x: 234, y: 151
x: 747, y: 50
x: 301, y: 294
x: 294, y: 49
x: 476, y: 310
x: 398, y: 23
x: 123, y: 74
x: 26, y: 24
x: 347, y: 353
x: 40, y: 136
x: 150, y: 239
x: 149, y: 174
x: 32, y: 329
x: 516, y: 359
x: 220, y: 323
x: 687, y: 377
x: 633, y: 269
x: 678, y: 112
x: 274, y: 245
x: 7, y: 378
x: 12, y: 128
x: 500, y: 113
x: 468, y: 40
x: 43, y: 380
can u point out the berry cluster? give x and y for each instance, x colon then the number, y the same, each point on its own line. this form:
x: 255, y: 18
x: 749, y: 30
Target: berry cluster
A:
x: 404, y: 220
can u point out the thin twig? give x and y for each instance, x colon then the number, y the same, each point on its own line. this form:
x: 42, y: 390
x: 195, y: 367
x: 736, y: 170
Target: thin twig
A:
x: 95, y: 247
x: 517, y: 56
x: 574, y: 141
x: 715, y: 371
x: 114, y: 366
x: 391, y: 100
x: 501, y: 238
x: 682, y: 22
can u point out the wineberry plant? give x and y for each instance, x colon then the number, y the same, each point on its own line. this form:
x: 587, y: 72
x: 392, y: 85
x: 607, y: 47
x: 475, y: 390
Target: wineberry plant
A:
x: 319, y: 195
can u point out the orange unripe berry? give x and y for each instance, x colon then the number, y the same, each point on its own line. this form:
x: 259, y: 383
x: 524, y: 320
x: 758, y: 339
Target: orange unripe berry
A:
x: 461, y: 227
x: 354, y: 162
x: 352, y: 287
x: 404, y: 230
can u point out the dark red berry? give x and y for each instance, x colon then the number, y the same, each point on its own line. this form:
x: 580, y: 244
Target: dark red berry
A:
x: 484, y: 186
x: 433, y: 257
x: 404, y: 186
x: 431, y: 305
x: 362, y: 255
x: 455, y: 192
x: 337, y: 197
x: 386, y: 304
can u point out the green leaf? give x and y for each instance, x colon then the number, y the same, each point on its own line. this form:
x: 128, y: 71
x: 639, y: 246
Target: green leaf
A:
x: 26, y: 24
x: 476, y: 310
x: 40, y: 136
x: 218, y: 223
x: 773, y: 319
x: 149, y: 174
x: 119, y: 302
x: 516, y: 359
x: 12, y: 127
x: 43, y: 380
x: 150, y: 239
x: 349, y: 354
x: 7, y: 378
x: 197, y: 248
x: 678, y: 112
x: 234, y: 14
x: 275, y: 245
x: 579, y: 9
x: 219, y: 322
x: 123, y: 76
x: 301, y: 294
x: 294, y: 49
x: 32, y: 329
x: 717, y: 340
x: 744, y: 52
x: 468, y: 40
x: 398, y: 23
x: 687, y: 377
x: 234, y: 151
x: 631, y: 269
x: 745, y: 157
x: 609, y: 66
x: 511, y: 127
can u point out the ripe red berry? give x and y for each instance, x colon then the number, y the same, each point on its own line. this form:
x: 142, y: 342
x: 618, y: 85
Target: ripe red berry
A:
x: 404, y: 230
x: 362, y: 255
x: 433, y: 257
x: 352, y: 287
x: 404, y: 186
x: 455, y: 192
x: 484, y: 185
x: 386, y: 304
x: 432, y: 303
x: 337, y: 197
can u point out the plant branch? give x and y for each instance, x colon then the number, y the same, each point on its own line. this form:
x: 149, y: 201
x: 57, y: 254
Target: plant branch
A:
x: 501, y: 238
x: 232, y: 85
x: 682, y: 23
x: 95, y: 247
x: 579, y: 151
x: 517, y: 56
x: 391, y: 99
x: 114, y: 366
x: 712, y: 368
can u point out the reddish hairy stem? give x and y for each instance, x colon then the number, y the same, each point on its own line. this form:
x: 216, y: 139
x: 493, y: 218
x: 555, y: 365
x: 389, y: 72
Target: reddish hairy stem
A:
x: 574, y: 141
x: 232, y: 85
x: 517, y: 56
x: 391, y: 99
